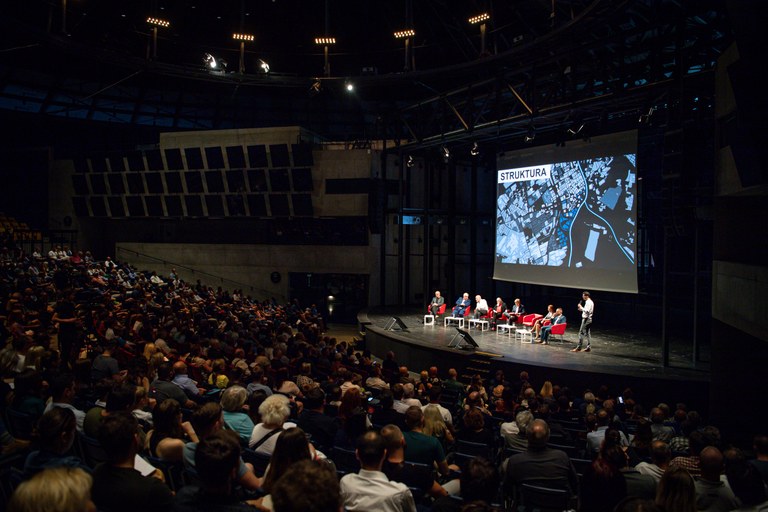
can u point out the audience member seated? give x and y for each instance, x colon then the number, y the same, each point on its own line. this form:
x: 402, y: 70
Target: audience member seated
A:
x: 169, y: 434
x: 289, y: 493
x: 660, y: 457
x: 397, y: 470
x: 274, y: 413
x: 539, y: 462
x: 217, y: 458
x: 62, y: 389
x: 422, y: 448
x: 602, y: 485
x: 713, y: 494
x: 311, y: 420
x: 206, y: 421
x: 235, y: 416
x: 56, y: 432
x: 370, y: 489
x: 117, y: 486
x: 676, y: 491
x: 61, y: 489
x: 474, y: 429
x: 515, y: 433
x: 385, y: 414
x: 479, y: 484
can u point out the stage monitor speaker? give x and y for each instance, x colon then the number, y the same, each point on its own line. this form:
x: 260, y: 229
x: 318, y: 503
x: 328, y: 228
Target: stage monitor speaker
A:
x: 395, y: 324
x: 463, y: 335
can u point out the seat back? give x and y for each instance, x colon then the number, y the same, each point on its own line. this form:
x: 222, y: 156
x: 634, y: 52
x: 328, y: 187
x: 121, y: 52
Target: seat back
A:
x: 544, y: 499
x: 441, y: 309
x: 468, y: 311
x: 476, y: 449
x: 21, y: 425
x: 91, y: 450
x: 172, y: 471
x: 259, y: 461
x: 345, y: 460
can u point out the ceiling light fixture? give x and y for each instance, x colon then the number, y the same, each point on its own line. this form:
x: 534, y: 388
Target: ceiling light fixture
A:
x: 409, y: 162
x: 474, y: 20
x: 475, y: 149
x: 349, y: 86
x: 242, y: 38
x: 530, y: 135
x: 446, y: 153
x: 575, y: 129
x: 406, y: 35
x: 326, y: 42
x: 155, y: 22
x: 214, y: 64
x: 264, y: 66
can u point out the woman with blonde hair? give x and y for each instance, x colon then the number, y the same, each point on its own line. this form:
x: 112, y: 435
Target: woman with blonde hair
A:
x: 435, y: 426
x: 546, y: 391
x: 149, y: 350
x: 54, y: 490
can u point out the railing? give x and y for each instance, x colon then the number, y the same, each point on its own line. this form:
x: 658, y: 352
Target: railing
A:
x: 205, y: 277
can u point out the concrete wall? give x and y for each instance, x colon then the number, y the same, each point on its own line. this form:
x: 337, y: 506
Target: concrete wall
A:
x: 250, y: 266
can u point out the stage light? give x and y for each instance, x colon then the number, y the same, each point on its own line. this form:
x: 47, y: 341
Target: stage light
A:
x: 446, y: 153
x: 646, y: 117
x: 575, y: 129
x: 243, y: 37
x: 474, y: 20
x: 325, y: 42
x: 475, y: 149
x: 264, y: 66
x: 530, y: 134
x: 315, y: 87
x: 402, y: 34
x: 213, y: 63
x: 158, y: 22
x: 349, y: 86
x: 409, y: 163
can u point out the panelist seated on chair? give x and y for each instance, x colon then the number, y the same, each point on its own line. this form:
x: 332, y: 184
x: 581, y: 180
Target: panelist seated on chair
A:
x: 517, y: 311
x: 542, y: 321
x: 498, y: 311
x: 437, y: 306
x: 481, y: 309
x: 462, y: 303
x: 546, y: 330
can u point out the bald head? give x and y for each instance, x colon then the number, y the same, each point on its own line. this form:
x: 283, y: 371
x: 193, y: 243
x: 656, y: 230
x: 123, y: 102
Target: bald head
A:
x: 711, y: 461
x: 179, y: 368
x: 538, y: 435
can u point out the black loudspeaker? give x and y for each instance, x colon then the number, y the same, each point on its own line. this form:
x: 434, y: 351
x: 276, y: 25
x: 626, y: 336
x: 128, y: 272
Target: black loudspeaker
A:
x: 395, y: 324
x: 467, y: 337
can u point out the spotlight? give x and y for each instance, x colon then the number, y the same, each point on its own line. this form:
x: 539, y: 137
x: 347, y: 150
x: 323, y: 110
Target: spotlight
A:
x: 530, y: 134
x: 158, y: 22
x: 264, y: 66
x: 315, y: 87
x: 409, y: 163
x: 349, y: 86
x: 214, y: 64
x: 646, y: 117
x: 243, y: 37
x: 402, y: 34
x: 474, y: 20
x: 446, y: 153
x: 575, y: 129
x: 475, y: 149
x: 325, y: 40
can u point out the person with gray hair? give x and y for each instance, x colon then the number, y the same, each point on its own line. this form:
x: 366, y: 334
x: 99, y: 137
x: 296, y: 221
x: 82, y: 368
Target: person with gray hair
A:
x: 274, y: 412
x: 236, y: 417
x: 514, y: 432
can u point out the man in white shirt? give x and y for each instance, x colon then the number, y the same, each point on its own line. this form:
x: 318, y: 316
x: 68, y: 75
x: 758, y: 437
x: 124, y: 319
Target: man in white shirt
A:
x: 481, y: 309
x: 586, y: 323
x: 370, y: 489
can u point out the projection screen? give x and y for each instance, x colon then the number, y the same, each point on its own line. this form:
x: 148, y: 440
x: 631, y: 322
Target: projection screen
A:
x: 567, y: 216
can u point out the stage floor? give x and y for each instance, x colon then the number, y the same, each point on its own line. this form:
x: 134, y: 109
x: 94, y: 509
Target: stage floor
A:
x: 613, y: 352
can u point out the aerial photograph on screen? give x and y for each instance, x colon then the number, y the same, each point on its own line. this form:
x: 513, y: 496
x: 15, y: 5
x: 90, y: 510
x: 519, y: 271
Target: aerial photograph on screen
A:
x: 576, y: 214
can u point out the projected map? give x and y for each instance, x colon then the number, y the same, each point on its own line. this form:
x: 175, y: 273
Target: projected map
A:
x: 577, y: 214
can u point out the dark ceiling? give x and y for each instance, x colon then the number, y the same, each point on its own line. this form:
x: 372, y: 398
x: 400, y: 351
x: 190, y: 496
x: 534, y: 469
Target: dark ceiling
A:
x: 548, y: 63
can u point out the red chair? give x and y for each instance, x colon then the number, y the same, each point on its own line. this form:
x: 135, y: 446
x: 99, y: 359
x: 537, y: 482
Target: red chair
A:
x: 559, y: 330
x: 429, y: 318
x: 440, y: 310
x: 529, y: 320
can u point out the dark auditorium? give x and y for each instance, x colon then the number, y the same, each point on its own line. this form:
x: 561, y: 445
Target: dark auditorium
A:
x: 392, y: 255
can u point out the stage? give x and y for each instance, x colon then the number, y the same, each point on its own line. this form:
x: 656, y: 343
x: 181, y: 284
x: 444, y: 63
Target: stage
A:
x: 618, y: 359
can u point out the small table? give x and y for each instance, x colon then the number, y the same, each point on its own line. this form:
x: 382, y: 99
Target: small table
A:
x: 523, y: 334
x: 429, y: 320
x: 505, y: 327
x: 484, y: 324
x: 451, y: 319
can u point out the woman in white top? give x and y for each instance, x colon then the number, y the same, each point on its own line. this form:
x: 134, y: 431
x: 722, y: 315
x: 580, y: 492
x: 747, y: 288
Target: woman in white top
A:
x: 274, y: 412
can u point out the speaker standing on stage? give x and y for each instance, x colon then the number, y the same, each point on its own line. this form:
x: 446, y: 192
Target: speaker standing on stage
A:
x: 437, y: 301
x: 586, y: 322
x: 462, y: 303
